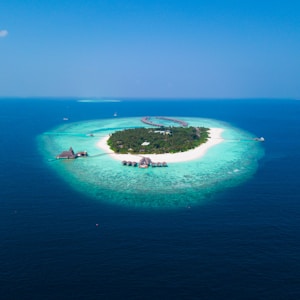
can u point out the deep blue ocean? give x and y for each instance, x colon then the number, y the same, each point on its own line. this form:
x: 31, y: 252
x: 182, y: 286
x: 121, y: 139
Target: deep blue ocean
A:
x: 242, y: 244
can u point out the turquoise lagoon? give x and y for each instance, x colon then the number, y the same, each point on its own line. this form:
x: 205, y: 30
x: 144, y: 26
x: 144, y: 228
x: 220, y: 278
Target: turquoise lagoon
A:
x: 183, y: 184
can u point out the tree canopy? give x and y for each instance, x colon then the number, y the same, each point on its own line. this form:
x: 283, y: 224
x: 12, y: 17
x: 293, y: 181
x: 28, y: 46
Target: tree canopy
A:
x: 157, y: 140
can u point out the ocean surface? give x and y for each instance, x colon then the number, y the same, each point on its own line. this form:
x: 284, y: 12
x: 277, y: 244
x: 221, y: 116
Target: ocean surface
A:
x: 66, y: 236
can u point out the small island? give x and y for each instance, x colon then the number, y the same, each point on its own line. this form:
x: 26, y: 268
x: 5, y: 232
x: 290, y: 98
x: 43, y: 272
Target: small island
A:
x: 157, y: 141
x: 161, y: 142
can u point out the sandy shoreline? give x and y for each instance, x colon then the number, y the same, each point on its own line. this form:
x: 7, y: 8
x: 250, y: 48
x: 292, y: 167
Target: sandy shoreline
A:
x: 215, y: 138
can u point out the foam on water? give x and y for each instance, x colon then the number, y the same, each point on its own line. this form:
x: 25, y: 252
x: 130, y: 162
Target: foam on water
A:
x: 179, y: 185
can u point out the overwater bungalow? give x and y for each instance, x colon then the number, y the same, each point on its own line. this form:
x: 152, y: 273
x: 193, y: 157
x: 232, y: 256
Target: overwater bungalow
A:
x: 70, y: 154
x: 145, y: 162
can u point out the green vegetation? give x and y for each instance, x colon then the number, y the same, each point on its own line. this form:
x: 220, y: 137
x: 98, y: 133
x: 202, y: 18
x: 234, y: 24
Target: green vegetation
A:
x: 157, y: 140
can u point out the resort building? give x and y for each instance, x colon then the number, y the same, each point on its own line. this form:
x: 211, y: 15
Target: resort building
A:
x: 70, y: 154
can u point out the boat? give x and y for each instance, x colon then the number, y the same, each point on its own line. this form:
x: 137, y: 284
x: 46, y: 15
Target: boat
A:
x: 143, y: 166
x: 259, y: 139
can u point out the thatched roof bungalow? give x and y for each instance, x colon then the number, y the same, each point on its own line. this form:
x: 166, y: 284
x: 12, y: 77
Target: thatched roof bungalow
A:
x: 69, y: 154
x: 145, y: 162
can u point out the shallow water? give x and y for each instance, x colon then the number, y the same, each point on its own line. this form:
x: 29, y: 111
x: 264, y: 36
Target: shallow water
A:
x: 179, y: 185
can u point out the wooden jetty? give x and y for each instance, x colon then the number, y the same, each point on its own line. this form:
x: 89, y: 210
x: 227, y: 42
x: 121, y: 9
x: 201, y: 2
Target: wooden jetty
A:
x: 182, y: 123
x: 147, y: 120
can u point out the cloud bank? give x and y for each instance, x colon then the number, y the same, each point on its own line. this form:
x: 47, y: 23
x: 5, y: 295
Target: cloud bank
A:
x: 3, y: 33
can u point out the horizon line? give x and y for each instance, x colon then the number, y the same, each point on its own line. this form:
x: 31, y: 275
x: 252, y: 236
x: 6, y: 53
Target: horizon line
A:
x: 146, y: 98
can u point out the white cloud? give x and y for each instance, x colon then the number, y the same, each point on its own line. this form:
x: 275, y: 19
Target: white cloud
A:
x: 3, y: 33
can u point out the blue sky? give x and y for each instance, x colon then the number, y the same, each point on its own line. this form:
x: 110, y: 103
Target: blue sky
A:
x: 131, y: 48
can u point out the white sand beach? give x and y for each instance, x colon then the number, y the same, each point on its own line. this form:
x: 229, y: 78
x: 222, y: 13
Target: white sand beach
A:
x: 215, y: 138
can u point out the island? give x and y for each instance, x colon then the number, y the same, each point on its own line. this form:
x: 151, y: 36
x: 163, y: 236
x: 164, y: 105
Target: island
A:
x: 157, y: 141
x: 214, y: 137
x: 227, y: 158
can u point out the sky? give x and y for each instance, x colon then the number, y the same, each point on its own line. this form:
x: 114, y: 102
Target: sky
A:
x: 157, y: 48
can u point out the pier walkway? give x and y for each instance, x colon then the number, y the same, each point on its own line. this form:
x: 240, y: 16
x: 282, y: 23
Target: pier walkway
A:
x: 147, y: 120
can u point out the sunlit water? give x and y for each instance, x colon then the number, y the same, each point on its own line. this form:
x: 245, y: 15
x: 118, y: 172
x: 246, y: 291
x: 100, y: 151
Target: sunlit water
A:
x: 184, y: 184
